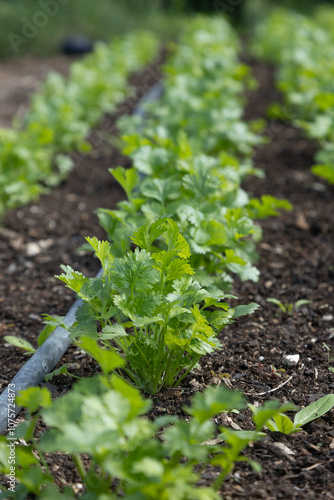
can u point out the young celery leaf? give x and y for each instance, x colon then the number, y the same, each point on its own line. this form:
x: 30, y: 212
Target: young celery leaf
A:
x: 213, y: 401
x: 102, y: 251
x: 134, y: 273
x: 107, y: 359
x: 242, y: 310
x: 187, y: 292
x: 267, y: 411
x: 73, y: 279
x: 142, y: 304
x: 161, y: 189
x: 127, y: 178
x: 267, y: 206
x: 148, y: 233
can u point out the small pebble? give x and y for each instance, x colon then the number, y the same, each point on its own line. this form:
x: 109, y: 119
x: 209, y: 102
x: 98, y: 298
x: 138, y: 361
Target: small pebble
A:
x: 215, y: 381
x: 283, y: 448
x: 291, y: 359
x: 318, y: 186
x: 12, y: 267
x: 32, y: 249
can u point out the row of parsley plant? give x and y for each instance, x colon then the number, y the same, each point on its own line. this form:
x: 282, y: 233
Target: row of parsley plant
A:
x: 188, y: 215
x: 190, y: 157
x: 303, y: 48
x: 33, y: 152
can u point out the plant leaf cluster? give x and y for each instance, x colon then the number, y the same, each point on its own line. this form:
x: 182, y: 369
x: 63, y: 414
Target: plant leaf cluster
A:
x: 277, y: 421
x: 103, y: 418
x: 148, y: 305
x: 304, y: 49
x: 289, y: 307
x: 33, y: 153
x: 190, y: 154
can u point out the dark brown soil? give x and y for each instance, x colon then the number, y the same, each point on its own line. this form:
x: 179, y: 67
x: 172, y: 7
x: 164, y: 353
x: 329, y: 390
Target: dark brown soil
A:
x: 19, y: 78
x: 296, y: 262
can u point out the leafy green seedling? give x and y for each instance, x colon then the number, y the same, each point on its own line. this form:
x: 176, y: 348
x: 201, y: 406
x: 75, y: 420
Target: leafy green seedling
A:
x: 329, y: 357
x: 324, y: 171
x: 270, y: 410
x: 127, y: 178
x: 34, y: 398
x: 214, y: 401
x: 267, y: 206
x: 27, y: 346
x: 282, y: 423
x: 21, y: 343
x: 289, y: 307
x: 60, y: 371
x: 236, y: 442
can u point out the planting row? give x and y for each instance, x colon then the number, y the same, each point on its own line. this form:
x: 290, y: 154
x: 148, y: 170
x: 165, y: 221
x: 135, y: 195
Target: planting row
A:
x: 32, y: 153
x: 304, y: 49
x: 161, y: 305
x: 188, y: 256
x: 190, y: 157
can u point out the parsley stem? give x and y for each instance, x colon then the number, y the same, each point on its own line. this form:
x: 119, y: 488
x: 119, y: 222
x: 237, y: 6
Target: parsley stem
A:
x: 79, y: 465
x: 188, y: 370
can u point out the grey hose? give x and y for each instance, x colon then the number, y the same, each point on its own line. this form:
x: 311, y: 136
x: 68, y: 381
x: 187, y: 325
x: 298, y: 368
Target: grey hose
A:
x: 152, y: 95
x: 42, y: 362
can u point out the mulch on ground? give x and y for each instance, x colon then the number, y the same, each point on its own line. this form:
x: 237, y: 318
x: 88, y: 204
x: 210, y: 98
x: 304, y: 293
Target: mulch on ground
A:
x: 296, y: 261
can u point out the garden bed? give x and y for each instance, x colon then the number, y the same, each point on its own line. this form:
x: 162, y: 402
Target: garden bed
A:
x: 296, y: 262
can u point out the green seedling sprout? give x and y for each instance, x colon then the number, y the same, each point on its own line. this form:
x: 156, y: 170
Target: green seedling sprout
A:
x: 289, y: 307
x: 27, y: 346
x: 329, y: 357
x: 279, y: 422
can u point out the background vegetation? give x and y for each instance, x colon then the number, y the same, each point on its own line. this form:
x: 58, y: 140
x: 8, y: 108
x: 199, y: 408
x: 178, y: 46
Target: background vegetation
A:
x: 39, y: 26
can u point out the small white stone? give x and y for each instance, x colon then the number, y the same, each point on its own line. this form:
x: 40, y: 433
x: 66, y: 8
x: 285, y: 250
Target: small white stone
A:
x: 291, y: 359
x: 32, y: 249
x: 284, y: 449
x: 261, y: 358
x: 318, y: 186
x: 44, y: 244
x: 12, y: 267
x: 327, y: 317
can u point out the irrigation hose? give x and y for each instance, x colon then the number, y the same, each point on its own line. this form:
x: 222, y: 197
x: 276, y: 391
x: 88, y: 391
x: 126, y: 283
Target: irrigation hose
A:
x: 42, y: 362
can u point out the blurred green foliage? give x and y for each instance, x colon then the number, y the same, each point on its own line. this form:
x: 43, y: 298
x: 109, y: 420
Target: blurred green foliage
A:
x: 39, y: 26
x: 244, y: 13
